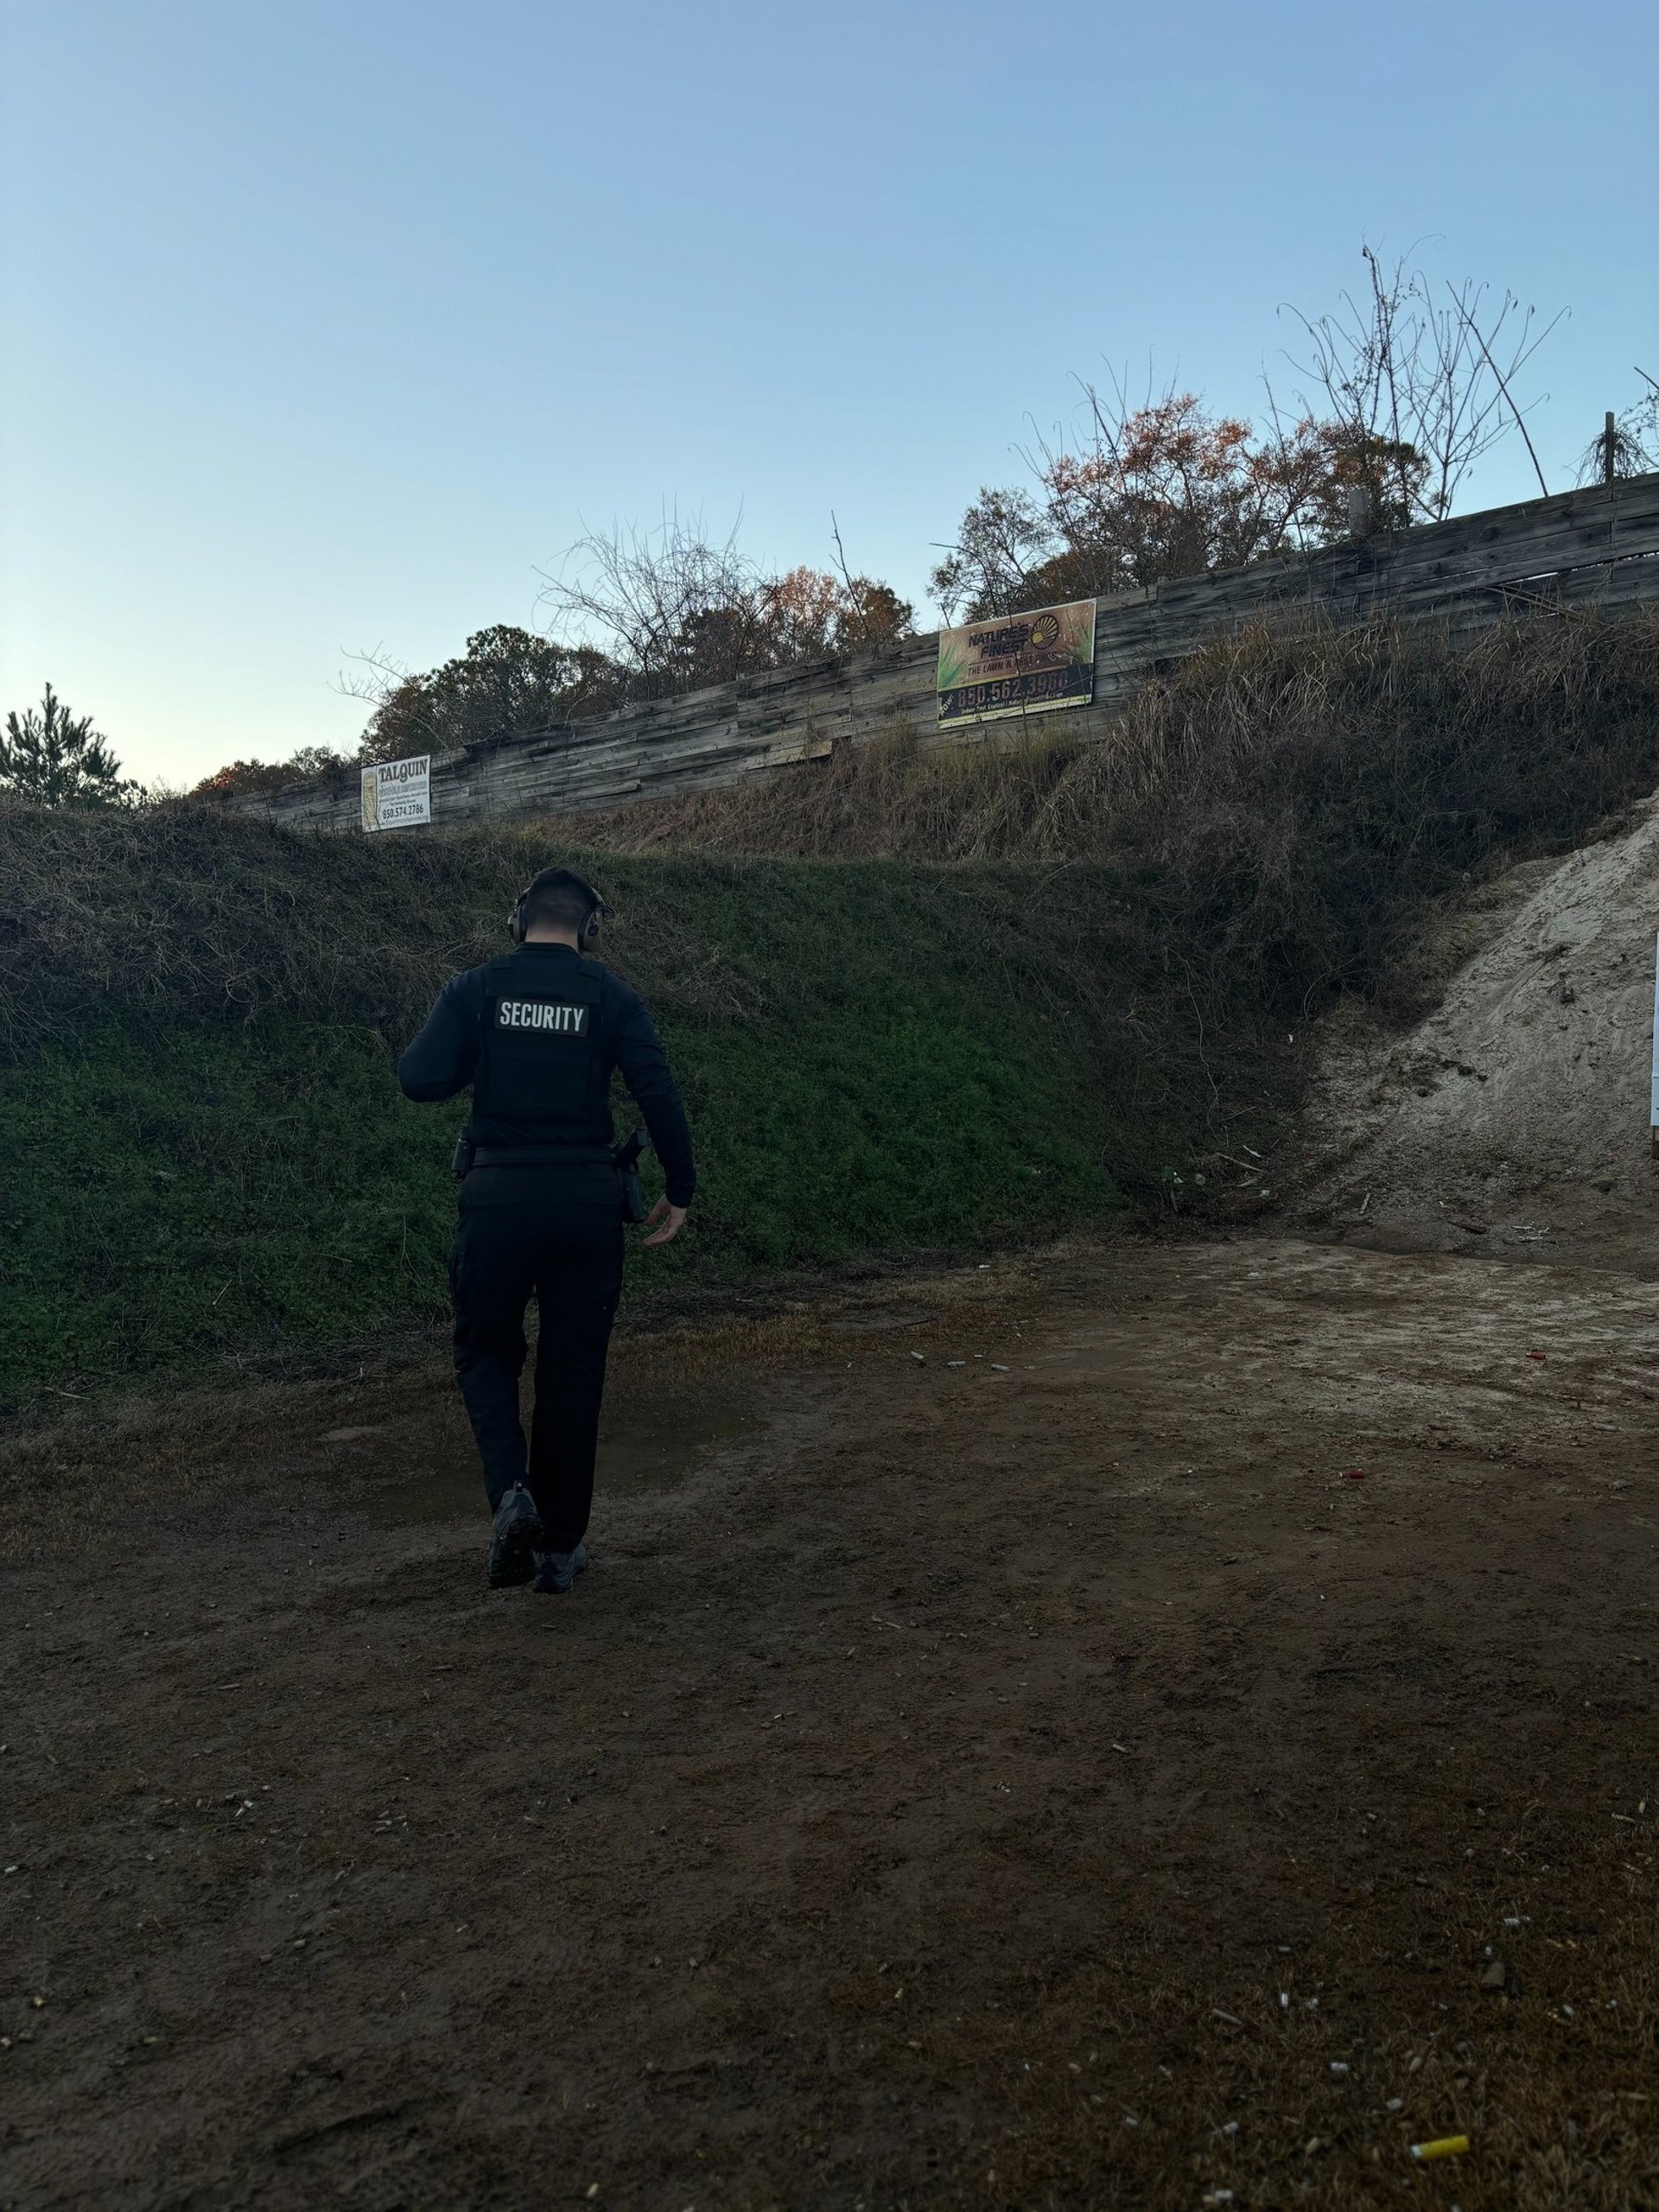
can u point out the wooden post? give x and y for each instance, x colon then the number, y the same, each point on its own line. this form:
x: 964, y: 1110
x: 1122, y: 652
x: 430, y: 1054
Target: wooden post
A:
x: 1608, y: 449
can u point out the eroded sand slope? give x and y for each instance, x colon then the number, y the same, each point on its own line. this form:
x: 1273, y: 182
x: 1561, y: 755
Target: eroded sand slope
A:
x: 1521, y: 1103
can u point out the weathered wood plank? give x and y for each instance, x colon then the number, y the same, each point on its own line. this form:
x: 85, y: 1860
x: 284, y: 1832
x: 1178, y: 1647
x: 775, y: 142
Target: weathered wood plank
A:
x: 1596, y: 547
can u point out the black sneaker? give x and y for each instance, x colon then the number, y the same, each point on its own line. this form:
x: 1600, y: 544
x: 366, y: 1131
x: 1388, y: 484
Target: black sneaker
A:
x: 557, y: 1571
x: 513, y: 1540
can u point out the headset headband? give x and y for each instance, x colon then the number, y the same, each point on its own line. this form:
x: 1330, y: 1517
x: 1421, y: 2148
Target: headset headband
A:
x: 561, y: 877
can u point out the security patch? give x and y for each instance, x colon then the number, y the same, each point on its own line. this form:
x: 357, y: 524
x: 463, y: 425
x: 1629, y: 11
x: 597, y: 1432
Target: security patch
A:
x: 542, y: 1013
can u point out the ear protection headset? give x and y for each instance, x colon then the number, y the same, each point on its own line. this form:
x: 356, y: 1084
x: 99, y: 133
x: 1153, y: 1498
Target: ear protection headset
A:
x: 562, y: 878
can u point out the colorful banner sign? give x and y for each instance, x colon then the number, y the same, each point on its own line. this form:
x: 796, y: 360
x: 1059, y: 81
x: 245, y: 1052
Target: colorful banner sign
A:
x: 397, y: 793
x: 1018, y: 665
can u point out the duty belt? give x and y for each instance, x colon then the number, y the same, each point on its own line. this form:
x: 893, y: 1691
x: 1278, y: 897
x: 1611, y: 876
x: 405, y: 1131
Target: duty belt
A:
x: 541, y: 1155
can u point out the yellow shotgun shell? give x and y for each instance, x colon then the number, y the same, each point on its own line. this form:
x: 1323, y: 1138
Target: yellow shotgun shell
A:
x: 1443, y: 2146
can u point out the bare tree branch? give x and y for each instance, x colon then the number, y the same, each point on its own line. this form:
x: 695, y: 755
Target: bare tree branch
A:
x: 674, y: 610
x: 1479, y: 337
x: 1433, y: 385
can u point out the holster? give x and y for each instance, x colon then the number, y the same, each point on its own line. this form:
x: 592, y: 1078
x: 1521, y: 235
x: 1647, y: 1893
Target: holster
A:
x: 626, y: 1161
x: 461, y: 1164
x: 633, y: 1198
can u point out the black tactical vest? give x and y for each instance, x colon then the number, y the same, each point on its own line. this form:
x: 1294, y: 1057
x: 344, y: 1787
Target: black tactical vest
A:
x: 542, y: 1059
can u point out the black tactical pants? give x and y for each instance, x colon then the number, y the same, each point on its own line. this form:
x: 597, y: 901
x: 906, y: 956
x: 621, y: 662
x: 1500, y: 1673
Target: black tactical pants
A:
x: 555, y: 1233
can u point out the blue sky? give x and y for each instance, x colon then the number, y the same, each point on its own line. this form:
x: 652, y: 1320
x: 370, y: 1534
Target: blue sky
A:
x: 329, y: 325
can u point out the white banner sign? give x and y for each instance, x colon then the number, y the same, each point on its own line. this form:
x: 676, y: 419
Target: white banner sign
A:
x: 397, y: 792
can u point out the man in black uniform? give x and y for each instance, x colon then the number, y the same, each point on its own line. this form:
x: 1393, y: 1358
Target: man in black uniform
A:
x: 537, y: 1034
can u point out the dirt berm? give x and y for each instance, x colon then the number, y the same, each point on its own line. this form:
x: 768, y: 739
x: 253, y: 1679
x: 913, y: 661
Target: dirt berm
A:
x: 1516, y: 1113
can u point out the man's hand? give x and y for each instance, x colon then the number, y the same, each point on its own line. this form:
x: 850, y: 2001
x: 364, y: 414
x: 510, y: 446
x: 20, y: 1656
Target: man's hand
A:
x: 672, y: 1218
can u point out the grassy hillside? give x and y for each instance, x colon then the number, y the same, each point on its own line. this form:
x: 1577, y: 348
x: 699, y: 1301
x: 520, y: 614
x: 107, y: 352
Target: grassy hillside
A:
x: 206, y: 1153
x: 914, y: 999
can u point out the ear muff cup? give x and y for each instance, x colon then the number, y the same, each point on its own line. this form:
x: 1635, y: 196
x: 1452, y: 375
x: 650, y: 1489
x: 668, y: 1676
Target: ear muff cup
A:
x: 589, y: 930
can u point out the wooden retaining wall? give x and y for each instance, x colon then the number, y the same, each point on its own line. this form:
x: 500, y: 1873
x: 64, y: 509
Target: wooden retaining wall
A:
x: 1598, y: 547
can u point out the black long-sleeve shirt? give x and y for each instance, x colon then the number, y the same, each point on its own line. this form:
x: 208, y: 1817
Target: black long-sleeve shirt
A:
x: 442, y: 1059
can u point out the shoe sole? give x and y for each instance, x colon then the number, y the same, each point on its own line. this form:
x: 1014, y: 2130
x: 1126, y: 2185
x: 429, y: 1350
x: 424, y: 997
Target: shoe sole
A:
x: 512, y: 1556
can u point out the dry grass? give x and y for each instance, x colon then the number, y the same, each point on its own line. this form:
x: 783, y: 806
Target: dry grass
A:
x: 1210, y: 732
x: 181, y: 911
x: 1283, y: 803
x: 1272, y: 818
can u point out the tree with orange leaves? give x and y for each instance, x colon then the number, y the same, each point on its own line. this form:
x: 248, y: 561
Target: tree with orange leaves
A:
x: 1411, y: 383
x: 1156, y: 493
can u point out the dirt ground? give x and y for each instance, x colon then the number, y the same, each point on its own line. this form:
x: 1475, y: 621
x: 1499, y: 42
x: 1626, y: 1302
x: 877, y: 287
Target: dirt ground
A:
x: 1005, y: 1753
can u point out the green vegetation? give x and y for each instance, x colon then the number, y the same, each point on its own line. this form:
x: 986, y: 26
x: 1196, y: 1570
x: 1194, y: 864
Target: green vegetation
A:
x: 50, y: 757
x: 988, y: 992
x: 191, y: 1192
x: 207, y: 1155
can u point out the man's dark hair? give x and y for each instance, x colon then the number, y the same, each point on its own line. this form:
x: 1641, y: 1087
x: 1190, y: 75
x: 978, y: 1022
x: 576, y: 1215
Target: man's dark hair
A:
x: 558, y: 899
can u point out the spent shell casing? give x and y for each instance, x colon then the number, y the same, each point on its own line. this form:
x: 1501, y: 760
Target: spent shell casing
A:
x: 1443, y: 2146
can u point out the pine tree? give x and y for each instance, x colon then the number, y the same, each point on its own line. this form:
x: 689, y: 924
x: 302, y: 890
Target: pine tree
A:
x: 52, y: 758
